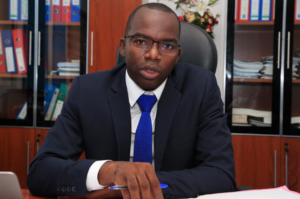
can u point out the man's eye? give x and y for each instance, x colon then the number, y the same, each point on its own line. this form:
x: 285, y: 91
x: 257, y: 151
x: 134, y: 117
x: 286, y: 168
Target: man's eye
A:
x: 168, y: 46
x: 140, y: 42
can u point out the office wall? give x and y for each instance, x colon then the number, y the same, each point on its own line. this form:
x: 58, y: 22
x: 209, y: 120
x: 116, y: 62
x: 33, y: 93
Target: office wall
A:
x: 220, y: 36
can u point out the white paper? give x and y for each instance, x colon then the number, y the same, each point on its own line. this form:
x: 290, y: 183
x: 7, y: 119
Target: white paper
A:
x: 52, y: 104
x: 274, y: 2
x: 23, y: 112
x: 57, y: 110
x: 1, y: 50
x: 244, y: 9
x: 13, y: 9
x: 66, y: 2
x: 55, y: 2
x: 266, y: 11
x: 254, y: 10
x: 256, y: 194
x: 9, y: 55
x: 20, y: 59
x: 298, y: 10
x: 239, y: 119
x: 24, y: 9
x: 76, y: 2
x: 47, y: 2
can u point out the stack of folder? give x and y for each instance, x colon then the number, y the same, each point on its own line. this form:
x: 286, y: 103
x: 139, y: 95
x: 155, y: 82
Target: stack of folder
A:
x: 250, y: 70
x: 62, y: 10
x: 68, y: 69
x: 13, y: 51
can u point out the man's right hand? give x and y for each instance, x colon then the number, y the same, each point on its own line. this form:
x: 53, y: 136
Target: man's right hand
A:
x: 140, y: 178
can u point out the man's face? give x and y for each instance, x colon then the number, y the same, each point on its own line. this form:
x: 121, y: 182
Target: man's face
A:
x: 149, y: 68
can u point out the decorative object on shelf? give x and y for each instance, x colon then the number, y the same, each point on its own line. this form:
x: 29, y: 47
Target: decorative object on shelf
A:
x: 198, y: 12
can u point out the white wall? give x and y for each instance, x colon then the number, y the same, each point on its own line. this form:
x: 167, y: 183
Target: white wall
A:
x: 220, y: 35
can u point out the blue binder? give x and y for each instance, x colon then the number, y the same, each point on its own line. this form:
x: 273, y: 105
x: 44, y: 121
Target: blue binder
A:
x: 13, y: 12
x: 48, y: 93
x: 255, y: 17
x: 266, y: 17
x: 75, y: 11
x: 48, y: 11
x: 8, y: 47
x: 23, y: 10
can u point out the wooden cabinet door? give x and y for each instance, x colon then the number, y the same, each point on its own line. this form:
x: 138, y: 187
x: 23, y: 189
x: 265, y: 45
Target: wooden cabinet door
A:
x: 255, y: 160
x: 293, y: 163
x: 107, y: 24
x: 17, y: 151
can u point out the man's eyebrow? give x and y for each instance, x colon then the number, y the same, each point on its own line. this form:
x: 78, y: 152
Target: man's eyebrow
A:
x: 145, y: 36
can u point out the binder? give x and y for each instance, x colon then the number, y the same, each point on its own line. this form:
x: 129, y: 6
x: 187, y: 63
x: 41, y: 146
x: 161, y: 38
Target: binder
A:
x: 23, y: 10
x: 48, y: 11
x: 255, y: 10
x: 51, y: 105
x: 237, y: 10
x: 75, y: 11
x: 244, y: 8
x: 19, y: 48
x: 55, y: 11
x: 297, y: 10
x: 273, y: 10
x: 266, y: 10
x: 60, y: 100
x: 2, y: 55
x: 23, y: 112
x: 49, y: 91
x: 65, y: 10
x: 13, y: 14
x: 8, y: 47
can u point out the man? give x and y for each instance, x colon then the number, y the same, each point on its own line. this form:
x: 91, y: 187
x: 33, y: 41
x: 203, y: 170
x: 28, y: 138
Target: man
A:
x: 103, y: 113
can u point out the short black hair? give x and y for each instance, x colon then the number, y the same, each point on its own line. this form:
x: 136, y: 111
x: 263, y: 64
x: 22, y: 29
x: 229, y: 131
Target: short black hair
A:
x: 154, y: 6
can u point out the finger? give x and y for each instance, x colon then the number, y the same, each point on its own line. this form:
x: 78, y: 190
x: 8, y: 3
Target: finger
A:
x: 144, y: 185
x: 154, y: 183
x: 125, y: 193
x: 133, y: 187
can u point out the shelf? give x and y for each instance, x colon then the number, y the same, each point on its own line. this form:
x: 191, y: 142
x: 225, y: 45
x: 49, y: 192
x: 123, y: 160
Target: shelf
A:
x: 7, y: 22
x: 295, y: 81
x: 59, y: 77
x: 13, y: 76
x: 250, y: 23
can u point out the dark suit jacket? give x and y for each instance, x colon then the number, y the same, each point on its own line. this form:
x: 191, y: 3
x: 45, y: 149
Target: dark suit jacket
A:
x: 192, y: 143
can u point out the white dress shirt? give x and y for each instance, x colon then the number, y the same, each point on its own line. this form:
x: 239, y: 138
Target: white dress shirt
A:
x: 134, y: 92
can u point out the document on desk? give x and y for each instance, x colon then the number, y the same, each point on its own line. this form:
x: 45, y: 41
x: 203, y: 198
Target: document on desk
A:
x: 276, y: 193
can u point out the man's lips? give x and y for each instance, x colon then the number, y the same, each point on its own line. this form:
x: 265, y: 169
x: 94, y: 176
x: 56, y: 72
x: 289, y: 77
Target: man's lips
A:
x: 149, y: 72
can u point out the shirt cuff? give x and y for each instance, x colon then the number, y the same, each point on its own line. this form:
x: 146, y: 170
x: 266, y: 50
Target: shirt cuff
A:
x: 92, y: 182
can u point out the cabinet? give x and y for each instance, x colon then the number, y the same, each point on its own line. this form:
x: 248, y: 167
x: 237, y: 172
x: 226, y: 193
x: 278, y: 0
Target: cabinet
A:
x: 262, y: 92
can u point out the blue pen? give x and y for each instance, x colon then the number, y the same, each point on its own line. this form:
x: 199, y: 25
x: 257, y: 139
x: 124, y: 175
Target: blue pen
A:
x: 118, y: 187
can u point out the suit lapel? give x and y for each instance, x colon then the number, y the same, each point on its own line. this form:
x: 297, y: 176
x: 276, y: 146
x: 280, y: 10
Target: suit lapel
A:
x: 120, y: 110
x: 165, y: 112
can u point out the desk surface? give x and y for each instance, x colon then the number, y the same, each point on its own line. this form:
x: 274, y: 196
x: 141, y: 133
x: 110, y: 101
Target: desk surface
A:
x: 28, y: 195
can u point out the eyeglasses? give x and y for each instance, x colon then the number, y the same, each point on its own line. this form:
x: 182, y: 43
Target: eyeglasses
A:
x: 145, y: 43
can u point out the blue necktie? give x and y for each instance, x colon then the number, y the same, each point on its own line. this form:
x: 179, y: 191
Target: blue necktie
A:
x: 143, y: 134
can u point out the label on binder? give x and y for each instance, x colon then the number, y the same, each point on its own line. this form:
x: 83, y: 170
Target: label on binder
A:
x: 13, y: 14
x: 297, y: 10
x: 20, y: 59
x: 66, y: 2
x: 244, y: 9
x: 47, y: 2
x: 55, y: 2
x: 76, y: 2
x: 58, y: 108
x: 9, y: 54
x: 24, y: 10
x: 23, y: 113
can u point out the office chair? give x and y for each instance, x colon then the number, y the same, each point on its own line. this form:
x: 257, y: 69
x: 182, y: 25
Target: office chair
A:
x: 198, y: 48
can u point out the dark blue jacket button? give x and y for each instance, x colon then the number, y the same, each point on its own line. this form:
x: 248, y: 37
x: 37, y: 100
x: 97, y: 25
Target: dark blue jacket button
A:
x: 58, y: 188
x: 74, y: 189
x: 69, y: 189
x: 63, y: 189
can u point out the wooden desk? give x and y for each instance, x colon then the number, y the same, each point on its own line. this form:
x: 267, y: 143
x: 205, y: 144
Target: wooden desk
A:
x: 28, y: 195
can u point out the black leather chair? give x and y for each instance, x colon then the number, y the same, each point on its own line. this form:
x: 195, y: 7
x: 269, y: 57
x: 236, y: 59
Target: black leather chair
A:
x: 198, y: 48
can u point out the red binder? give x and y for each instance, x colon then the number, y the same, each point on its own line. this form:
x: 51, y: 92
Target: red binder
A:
x: 244, y: 10
x: 297, y: 10
x: 237, y: 10
x: 19, y: 49
x: 273, y: 10
x: 55, y: 11
x: 2, y: 55
x: 65, y: 10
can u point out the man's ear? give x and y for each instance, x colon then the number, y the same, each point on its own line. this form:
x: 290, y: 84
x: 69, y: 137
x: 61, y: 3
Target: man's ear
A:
x: 179, y: 54
x: 122, y: 47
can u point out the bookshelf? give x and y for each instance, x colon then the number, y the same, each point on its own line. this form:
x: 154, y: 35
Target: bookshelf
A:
x: 295, y: 81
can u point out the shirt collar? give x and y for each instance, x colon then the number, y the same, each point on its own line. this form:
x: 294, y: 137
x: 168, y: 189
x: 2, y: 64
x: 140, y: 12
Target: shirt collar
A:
x: 134, y: 91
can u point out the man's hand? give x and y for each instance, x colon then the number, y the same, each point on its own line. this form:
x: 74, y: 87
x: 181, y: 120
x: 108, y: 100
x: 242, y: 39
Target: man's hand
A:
x: 140, y: 178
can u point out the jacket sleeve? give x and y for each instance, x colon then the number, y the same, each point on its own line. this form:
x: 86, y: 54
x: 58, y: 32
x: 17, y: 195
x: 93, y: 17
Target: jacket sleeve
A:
x: 55, y: 171
x: 213, y: 153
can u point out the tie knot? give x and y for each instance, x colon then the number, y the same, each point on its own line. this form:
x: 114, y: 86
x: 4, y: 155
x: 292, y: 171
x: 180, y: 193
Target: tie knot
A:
x: 146, y: 102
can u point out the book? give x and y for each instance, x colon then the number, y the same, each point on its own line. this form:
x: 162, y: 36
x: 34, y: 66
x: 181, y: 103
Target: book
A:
x: 255, y: 8
x: 51, y: 105
x: 48, y: 11
x: 266, y: 10
x: 19, y: 48
x: 244, y: 10
x: 48, y: 93
x: 75, y: 11
x: 65, y: 10
x: 2, y: 55
x: 23, y: 112
x: 23, y: 10
x: 13, y: 10
x: 60, y: 100
x: 68, y: 73
x: 8, y: 47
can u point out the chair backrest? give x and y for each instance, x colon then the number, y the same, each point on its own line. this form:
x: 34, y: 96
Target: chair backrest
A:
x: 198, y: 48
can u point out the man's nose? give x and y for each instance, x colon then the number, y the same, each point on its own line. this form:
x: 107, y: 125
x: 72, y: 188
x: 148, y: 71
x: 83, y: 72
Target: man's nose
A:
x: 153, y: 53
